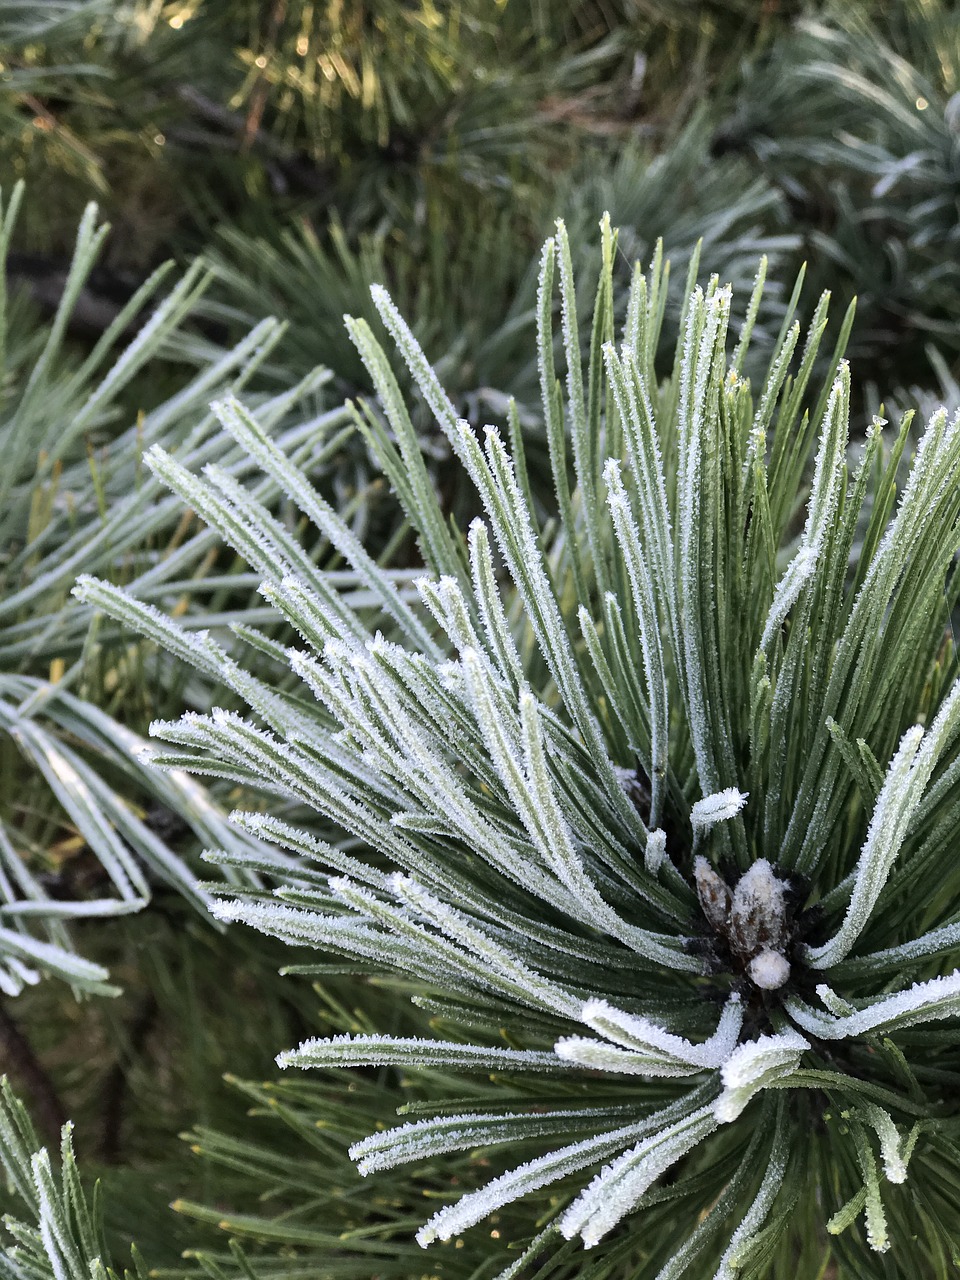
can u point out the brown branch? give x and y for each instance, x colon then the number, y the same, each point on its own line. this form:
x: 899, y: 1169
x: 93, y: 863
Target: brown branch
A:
x: 18, y: 1059
x: 116, y: 1084
x: 261, y: 88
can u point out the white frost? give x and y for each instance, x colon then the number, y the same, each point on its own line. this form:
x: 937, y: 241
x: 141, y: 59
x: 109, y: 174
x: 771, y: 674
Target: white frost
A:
x: 755, y: 1066
x: 923, y: 1002
x: 769, y: 970
x: 718, y: 807
x: 758, y: 910
x: 655, y: 851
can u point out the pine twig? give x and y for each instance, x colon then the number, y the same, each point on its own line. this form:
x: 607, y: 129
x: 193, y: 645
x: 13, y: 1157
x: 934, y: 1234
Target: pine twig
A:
x: 115, y: 1088
x: 18, y: 1058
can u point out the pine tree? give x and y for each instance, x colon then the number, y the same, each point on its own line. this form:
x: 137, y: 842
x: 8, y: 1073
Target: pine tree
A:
x: 646, y: 798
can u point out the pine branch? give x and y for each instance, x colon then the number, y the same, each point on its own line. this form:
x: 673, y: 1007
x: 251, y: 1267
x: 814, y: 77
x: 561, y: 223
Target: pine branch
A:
x: 644, y: 783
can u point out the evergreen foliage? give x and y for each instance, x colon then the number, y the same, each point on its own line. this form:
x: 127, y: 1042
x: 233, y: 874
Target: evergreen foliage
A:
x: 646, y: 799
x: 476, y: 310
x: 82, y: 816
x: 745, y: 731
x: 321, y: 139
x: 189, y: 113
x: 855, y: 117
x: 57, y: 1233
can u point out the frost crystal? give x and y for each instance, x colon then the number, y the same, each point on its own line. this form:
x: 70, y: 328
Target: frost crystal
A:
x: 655, y: 851
x: 719, y: 807
x: 769, y: 970
x: 755, y: 1066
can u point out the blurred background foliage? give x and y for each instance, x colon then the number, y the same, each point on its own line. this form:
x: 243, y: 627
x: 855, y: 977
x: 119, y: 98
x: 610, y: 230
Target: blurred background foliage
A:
x: 287, y: 154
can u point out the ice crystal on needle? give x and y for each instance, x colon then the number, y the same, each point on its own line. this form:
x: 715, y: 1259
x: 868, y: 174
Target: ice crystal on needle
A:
x: 639, y: 817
